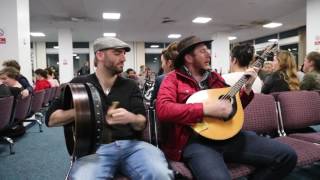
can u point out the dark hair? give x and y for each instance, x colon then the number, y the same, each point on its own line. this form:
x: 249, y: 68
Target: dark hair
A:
x: 243, y: 53
x: 170, y: 52
x: 12, y: 63
x: 128, y: 70
x: 41, y: 72
x: 315, y: 58
x: 11, y: 72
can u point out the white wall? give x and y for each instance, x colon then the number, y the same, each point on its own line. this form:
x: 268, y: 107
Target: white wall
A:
x: 313, y: 25
x: 15, y: 23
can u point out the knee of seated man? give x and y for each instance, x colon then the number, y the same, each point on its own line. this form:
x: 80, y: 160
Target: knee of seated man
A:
x: 288, y: 156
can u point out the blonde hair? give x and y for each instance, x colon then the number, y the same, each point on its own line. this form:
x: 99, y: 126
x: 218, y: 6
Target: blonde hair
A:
x: 288, y: 69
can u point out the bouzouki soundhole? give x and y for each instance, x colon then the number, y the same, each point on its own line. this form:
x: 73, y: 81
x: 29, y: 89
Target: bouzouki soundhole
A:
x: 232, y: 100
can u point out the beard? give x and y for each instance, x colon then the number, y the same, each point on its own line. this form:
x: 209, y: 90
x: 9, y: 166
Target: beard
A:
x: 112, y: 69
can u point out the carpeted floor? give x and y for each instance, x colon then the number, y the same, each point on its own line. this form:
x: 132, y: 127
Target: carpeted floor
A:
x: 43, y: 156
x: 38, y: 156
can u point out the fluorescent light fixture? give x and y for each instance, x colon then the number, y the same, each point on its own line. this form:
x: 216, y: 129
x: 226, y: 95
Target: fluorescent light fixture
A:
x: 56, y: 47
x: 110, y: 34
x: 202, y: 20
x: 273, y: 40
x: 154, y: 46
x: 111, y: 15
x: 37, y: 34
x: 232, y: 38
x: 74, y: 54
x: 174, y: 36
x: 272, y: 25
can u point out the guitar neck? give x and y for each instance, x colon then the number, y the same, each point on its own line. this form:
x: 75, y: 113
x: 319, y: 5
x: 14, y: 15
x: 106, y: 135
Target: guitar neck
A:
x: 258, y: 63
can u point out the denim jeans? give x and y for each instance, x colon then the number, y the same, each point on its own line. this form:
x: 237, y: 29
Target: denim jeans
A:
x: 137, y: 160
x: 206, y: 158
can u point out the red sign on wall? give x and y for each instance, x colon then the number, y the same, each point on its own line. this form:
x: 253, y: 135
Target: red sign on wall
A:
x: 2, y: 40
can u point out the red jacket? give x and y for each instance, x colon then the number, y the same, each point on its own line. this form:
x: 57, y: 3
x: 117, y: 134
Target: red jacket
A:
x: 175, y: 116
x: 41, y: 84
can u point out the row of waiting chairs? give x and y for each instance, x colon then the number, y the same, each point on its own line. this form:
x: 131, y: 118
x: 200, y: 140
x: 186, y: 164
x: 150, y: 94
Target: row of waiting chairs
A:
x: 269, y: 114
x: 28, y: 109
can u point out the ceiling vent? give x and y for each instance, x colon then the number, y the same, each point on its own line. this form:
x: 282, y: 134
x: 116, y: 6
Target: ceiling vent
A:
x: 167, y: 20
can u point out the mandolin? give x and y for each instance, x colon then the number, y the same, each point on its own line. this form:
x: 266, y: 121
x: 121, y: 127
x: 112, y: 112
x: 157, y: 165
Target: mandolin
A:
x: 221, y: 129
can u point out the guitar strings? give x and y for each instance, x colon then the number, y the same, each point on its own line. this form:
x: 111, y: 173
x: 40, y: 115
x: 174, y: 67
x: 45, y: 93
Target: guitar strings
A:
x: 244, y: 79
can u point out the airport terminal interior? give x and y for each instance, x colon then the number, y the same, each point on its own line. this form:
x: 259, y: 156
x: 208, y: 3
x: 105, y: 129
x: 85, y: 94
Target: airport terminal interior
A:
x: 130, y: 69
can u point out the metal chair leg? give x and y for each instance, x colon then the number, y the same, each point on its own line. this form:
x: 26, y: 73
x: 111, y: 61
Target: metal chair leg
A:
x: 11, y: 143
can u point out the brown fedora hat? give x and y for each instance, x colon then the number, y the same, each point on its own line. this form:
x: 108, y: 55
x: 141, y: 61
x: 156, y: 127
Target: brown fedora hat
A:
x: 186, y: 45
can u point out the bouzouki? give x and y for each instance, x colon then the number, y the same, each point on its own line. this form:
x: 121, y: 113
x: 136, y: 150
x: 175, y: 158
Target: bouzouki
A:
x: 221, y: 129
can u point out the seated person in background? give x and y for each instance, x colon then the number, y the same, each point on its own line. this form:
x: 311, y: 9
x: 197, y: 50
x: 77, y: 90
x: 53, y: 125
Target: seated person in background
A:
x: 205, y: 157
x: 126, y: 153
x: 84, y: 70
x: 240, y: 59
x: 284, y: 77
x: 51, y: 78
x: 311, y: 80
x: 4, y: 90
x: 131, y: 74
x: 41, y: 80
x: 266, y: 70
x: 168, y: 56
x: 26, y: 87
x: 8, y: 76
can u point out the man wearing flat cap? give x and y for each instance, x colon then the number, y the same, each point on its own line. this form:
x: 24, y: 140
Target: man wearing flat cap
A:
x: 124, y: 151
x: 206, y: 157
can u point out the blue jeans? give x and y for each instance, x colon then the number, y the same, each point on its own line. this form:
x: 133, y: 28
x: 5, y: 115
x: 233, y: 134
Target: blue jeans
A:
x: 206, y: 158
x: 137, y: 160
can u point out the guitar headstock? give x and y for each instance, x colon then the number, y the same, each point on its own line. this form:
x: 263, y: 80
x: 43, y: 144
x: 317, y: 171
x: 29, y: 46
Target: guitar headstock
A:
x: 268, y: 51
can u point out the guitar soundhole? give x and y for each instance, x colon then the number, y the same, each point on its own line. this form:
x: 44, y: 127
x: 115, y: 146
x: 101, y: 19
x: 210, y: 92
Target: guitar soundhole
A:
x: 228, y: 98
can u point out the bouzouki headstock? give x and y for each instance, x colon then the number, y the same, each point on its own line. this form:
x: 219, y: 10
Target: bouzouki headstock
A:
x: 269, y: 50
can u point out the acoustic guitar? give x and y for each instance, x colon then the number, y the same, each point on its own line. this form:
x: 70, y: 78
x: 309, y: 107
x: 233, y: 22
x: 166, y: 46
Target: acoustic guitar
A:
x: 221, y: 129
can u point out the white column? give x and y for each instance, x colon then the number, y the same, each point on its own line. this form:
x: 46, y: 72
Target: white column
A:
x: 65, y: 55
x: 140, y: 55
x: 15, y: 34
x: 220, y: 52
x: 40, y: 55
x: 91, y: 58
x: 313, y: 25
x: 130, y: 60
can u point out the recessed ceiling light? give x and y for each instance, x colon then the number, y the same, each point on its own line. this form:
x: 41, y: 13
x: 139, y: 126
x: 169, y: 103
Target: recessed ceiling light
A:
x: 272, y: 25
x: 232, y: 38
x: 110, y: 34
x: 111, y: 15
x: 273, y: 40
x: 74, y: 54
x: 37, y: 34
x: 154, y: 46
x: 174, y: 36
x: 202, y: 20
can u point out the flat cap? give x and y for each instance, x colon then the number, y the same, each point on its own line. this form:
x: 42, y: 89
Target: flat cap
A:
x: 109, y: 43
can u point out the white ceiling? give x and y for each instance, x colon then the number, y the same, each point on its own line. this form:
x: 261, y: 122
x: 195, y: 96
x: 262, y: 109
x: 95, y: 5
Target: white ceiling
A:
x: 141, y: 20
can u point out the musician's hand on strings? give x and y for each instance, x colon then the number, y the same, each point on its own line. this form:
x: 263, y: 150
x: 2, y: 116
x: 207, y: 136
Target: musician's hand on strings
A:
x: 219, y: 109
x: 251, y: 74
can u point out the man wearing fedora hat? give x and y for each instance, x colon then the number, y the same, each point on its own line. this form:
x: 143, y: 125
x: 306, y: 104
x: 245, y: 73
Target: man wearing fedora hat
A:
x: 124, y: 152
x: 206, y: 157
